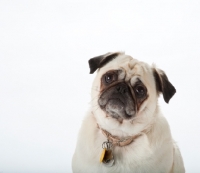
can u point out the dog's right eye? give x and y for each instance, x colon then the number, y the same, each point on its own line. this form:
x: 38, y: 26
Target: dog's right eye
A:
x: 109, y: 78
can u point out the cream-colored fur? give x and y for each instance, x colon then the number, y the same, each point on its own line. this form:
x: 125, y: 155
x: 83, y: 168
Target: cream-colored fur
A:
x: 153, y: 152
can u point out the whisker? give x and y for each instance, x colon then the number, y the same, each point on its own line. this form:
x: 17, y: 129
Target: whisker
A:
x: 96, y: 109
x: 95, y: 89
x: 93, y: 98
x: 95, y: 105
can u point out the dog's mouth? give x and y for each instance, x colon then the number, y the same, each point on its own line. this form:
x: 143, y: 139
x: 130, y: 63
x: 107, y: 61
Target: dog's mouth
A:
x: 118, y: 102
x: 116, y: 108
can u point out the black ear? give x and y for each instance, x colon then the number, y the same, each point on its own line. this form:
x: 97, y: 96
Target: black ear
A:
x: 163, y: 84
x: 100, y: 61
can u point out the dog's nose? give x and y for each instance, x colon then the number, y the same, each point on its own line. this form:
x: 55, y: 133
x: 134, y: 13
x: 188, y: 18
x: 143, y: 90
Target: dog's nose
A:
x: 122, y: 88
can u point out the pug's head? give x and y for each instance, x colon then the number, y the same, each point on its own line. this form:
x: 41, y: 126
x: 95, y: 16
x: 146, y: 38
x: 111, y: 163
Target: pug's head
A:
x: 126, y: 90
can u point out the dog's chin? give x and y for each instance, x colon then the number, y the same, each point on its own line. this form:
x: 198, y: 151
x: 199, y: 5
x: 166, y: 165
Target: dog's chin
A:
x: 116, y: 109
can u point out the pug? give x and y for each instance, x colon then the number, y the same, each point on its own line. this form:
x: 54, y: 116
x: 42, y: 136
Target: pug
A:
x: 124, y: 130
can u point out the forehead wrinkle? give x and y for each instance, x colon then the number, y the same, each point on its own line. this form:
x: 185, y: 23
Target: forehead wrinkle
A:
x: 134, y: 70
x: 122, y: 73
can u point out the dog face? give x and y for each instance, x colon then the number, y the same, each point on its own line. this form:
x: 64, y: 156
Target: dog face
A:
x: 118, y: 98
x: 126, y: 89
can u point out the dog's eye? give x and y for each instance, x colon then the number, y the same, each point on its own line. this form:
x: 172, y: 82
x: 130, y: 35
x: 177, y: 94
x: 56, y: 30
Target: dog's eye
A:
x: 140, y: 91
x: 109, y: 78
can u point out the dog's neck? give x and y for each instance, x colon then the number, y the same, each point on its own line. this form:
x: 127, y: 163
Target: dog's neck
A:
x: 117, y: 141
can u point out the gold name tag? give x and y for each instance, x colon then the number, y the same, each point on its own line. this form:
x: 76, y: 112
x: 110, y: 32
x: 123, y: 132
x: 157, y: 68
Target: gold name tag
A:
x: 107, y: 157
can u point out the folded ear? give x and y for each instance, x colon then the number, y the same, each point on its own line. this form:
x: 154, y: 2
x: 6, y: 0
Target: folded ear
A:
x: 163, y: 84
x: 100, y: 61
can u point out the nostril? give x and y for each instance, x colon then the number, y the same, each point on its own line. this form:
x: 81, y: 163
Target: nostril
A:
x: 118, y: 88
x: 122, y: 89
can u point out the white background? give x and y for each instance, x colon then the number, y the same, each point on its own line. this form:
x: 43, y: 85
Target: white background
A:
x: 45, y: 81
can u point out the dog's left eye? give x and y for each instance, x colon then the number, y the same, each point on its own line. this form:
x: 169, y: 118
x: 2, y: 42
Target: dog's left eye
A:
x: 140, y: 91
